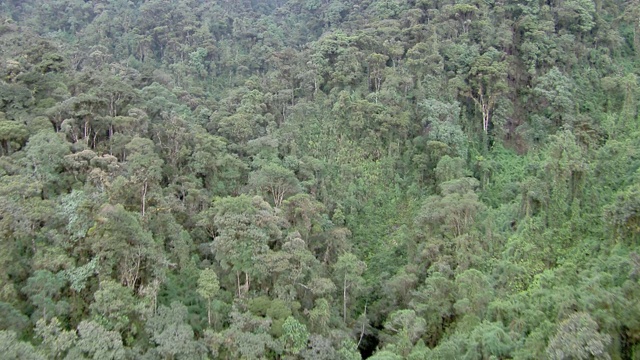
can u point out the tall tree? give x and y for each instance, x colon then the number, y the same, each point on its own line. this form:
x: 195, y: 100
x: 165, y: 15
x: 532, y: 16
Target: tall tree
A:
x: 348, y: 273
x: 208, y: 288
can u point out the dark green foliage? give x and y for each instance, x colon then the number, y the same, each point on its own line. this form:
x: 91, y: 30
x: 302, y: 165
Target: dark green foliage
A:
x: 43, y: 289
x: 12, y: 319
x: 302, y: 179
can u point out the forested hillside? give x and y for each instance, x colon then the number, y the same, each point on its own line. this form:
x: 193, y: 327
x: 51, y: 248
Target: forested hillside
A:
x: 319, y: 179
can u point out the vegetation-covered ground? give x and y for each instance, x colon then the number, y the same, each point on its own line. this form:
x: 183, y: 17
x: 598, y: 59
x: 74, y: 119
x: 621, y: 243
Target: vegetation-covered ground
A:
x: 319, y: 179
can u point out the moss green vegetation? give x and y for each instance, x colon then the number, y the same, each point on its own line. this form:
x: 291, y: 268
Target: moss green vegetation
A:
x: 306, y: 179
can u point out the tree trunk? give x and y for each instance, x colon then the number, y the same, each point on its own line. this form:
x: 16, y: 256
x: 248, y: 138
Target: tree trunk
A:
x: 111, y: 139
x: 344, y: 300
x: 238, y: 282
x: 246, y: 282
x: 363, y: 326
x: 144, y: 197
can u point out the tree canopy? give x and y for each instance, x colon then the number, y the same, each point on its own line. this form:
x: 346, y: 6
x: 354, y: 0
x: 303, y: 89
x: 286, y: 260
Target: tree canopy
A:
x: 306, y: 179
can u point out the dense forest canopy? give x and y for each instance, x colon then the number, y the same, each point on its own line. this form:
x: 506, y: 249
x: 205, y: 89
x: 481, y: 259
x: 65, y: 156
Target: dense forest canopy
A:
x: 319, y: 179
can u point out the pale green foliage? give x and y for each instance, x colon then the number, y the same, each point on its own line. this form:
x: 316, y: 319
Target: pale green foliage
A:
x: 434, y: 301
x: 555, y: 88
x: 119, y: 242
x: 441, y: 120
x: 454, y: 213
x: 401, y: 285
x: 474, y: 293
x: 405, y: 328
x: 420, y: 352
x: 145, y: 167
x: 449, y: 168
x: 248, y: 337
x: 208, y: 284
x: 197, y: 61
x: 305, y: 214
x: 385, y: 355
x: 489, y: 340
x: 208, y: 288
x: 13, y: 349
x: 320, y: 315
x: 245, y: 227
x: 11, y: 319
x: 484, y: 341
x: 301, y: 260
x: 55, y: 340
x: 275, y: 180
x: 113, y: 304
x: 578, y: 14
x: 622, y: 214
x: 172, y: 335
x: 295, y: 335
x: 78, y: 276
x: 43, y: 290
x: 95, y: 342
x: 12, y: 135
x: 44, y: 156
x: 578, y: 338
x: 348, y: 351
x: 319, y: 348
x: 74, y: 207
x: 348, y: 274
x: 463, y: 174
